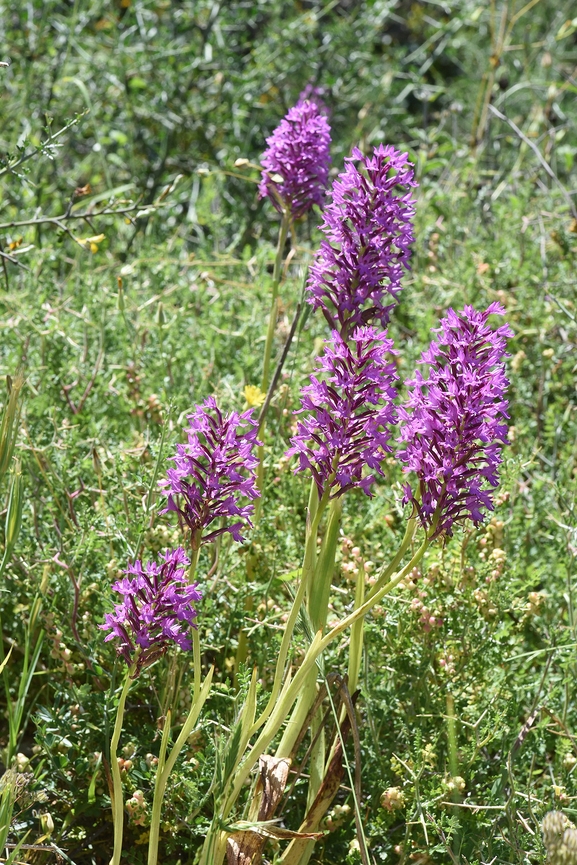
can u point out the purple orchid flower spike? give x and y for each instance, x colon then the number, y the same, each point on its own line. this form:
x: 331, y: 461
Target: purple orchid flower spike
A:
x: 296, y: 161
x: 355, y: 277
x: 213, y: 472
x: 454, y: 423
x: 157, y: 610
x: 345, y: 416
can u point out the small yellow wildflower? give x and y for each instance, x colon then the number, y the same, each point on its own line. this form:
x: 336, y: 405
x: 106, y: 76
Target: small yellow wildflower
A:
x: 90, y: 243
x: 254, y: 395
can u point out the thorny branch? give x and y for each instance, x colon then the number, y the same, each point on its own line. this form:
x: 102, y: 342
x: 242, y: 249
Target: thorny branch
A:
x: 42, y: 147
x: 58, y: 221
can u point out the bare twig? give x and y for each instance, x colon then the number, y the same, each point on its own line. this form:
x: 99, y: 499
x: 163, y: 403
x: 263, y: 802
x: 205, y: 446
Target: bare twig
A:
x: 87, y: 214
x: 7, y: 257
x: 9, y: 169
x: 279, y: 367
x: 4, y: 257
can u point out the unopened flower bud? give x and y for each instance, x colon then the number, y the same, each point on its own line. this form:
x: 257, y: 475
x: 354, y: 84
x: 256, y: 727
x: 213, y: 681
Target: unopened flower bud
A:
x: 46, y: 824
x: 21, y: 762
x: 456, y: 784
x: 160, y: 317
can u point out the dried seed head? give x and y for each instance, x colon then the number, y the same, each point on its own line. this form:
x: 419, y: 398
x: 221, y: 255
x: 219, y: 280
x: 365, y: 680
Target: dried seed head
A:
x: 560, y: 839
x: 393, y: 799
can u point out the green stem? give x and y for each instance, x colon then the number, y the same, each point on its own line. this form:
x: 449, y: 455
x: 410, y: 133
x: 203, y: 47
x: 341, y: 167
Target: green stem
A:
x: 15, y: 709
x: 313, y: 520
x: 199, y: 695
x: 195, y: 553
x: 317, y: 758
x: 282, y: 236
x: 452, y: 736
x: 242, y: 647
x: 313, y: 503
x: 319, y: 583
x: 405, y: 544
x: 314, y: 517
x: 196, y: 664
x: 9, y: 703
x: 157, y: 800
x: 117, y: 798
x: 28, y: 671
x: 305, y: 700
x: 374, y: 598
x: 283, y: 698
x: 357, y: 634
x: 355, y: 654
x: 292, y: 687
x: 320, y: 587
x: 273, y: 315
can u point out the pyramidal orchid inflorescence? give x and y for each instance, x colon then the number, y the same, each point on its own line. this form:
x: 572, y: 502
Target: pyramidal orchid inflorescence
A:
x: 214, y: 471
x: 356, y: 275
x: 345, y: 415
x: 157, y: 609
x: 453, y: 424
x: 296, y: 161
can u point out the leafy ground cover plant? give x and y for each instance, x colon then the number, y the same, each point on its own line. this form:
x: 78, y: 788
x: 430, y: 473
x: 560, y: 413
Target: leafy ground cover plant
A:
x: 466, y: 716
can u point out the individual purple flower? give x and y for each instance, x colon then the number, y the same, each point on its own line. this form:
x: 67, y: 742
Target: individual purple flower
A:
x: 157, y: 609
x: 454, y: 422
x: 345, y: 416
x: 213, y: 472
x: 356, y: 274
x: 296, y: 161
